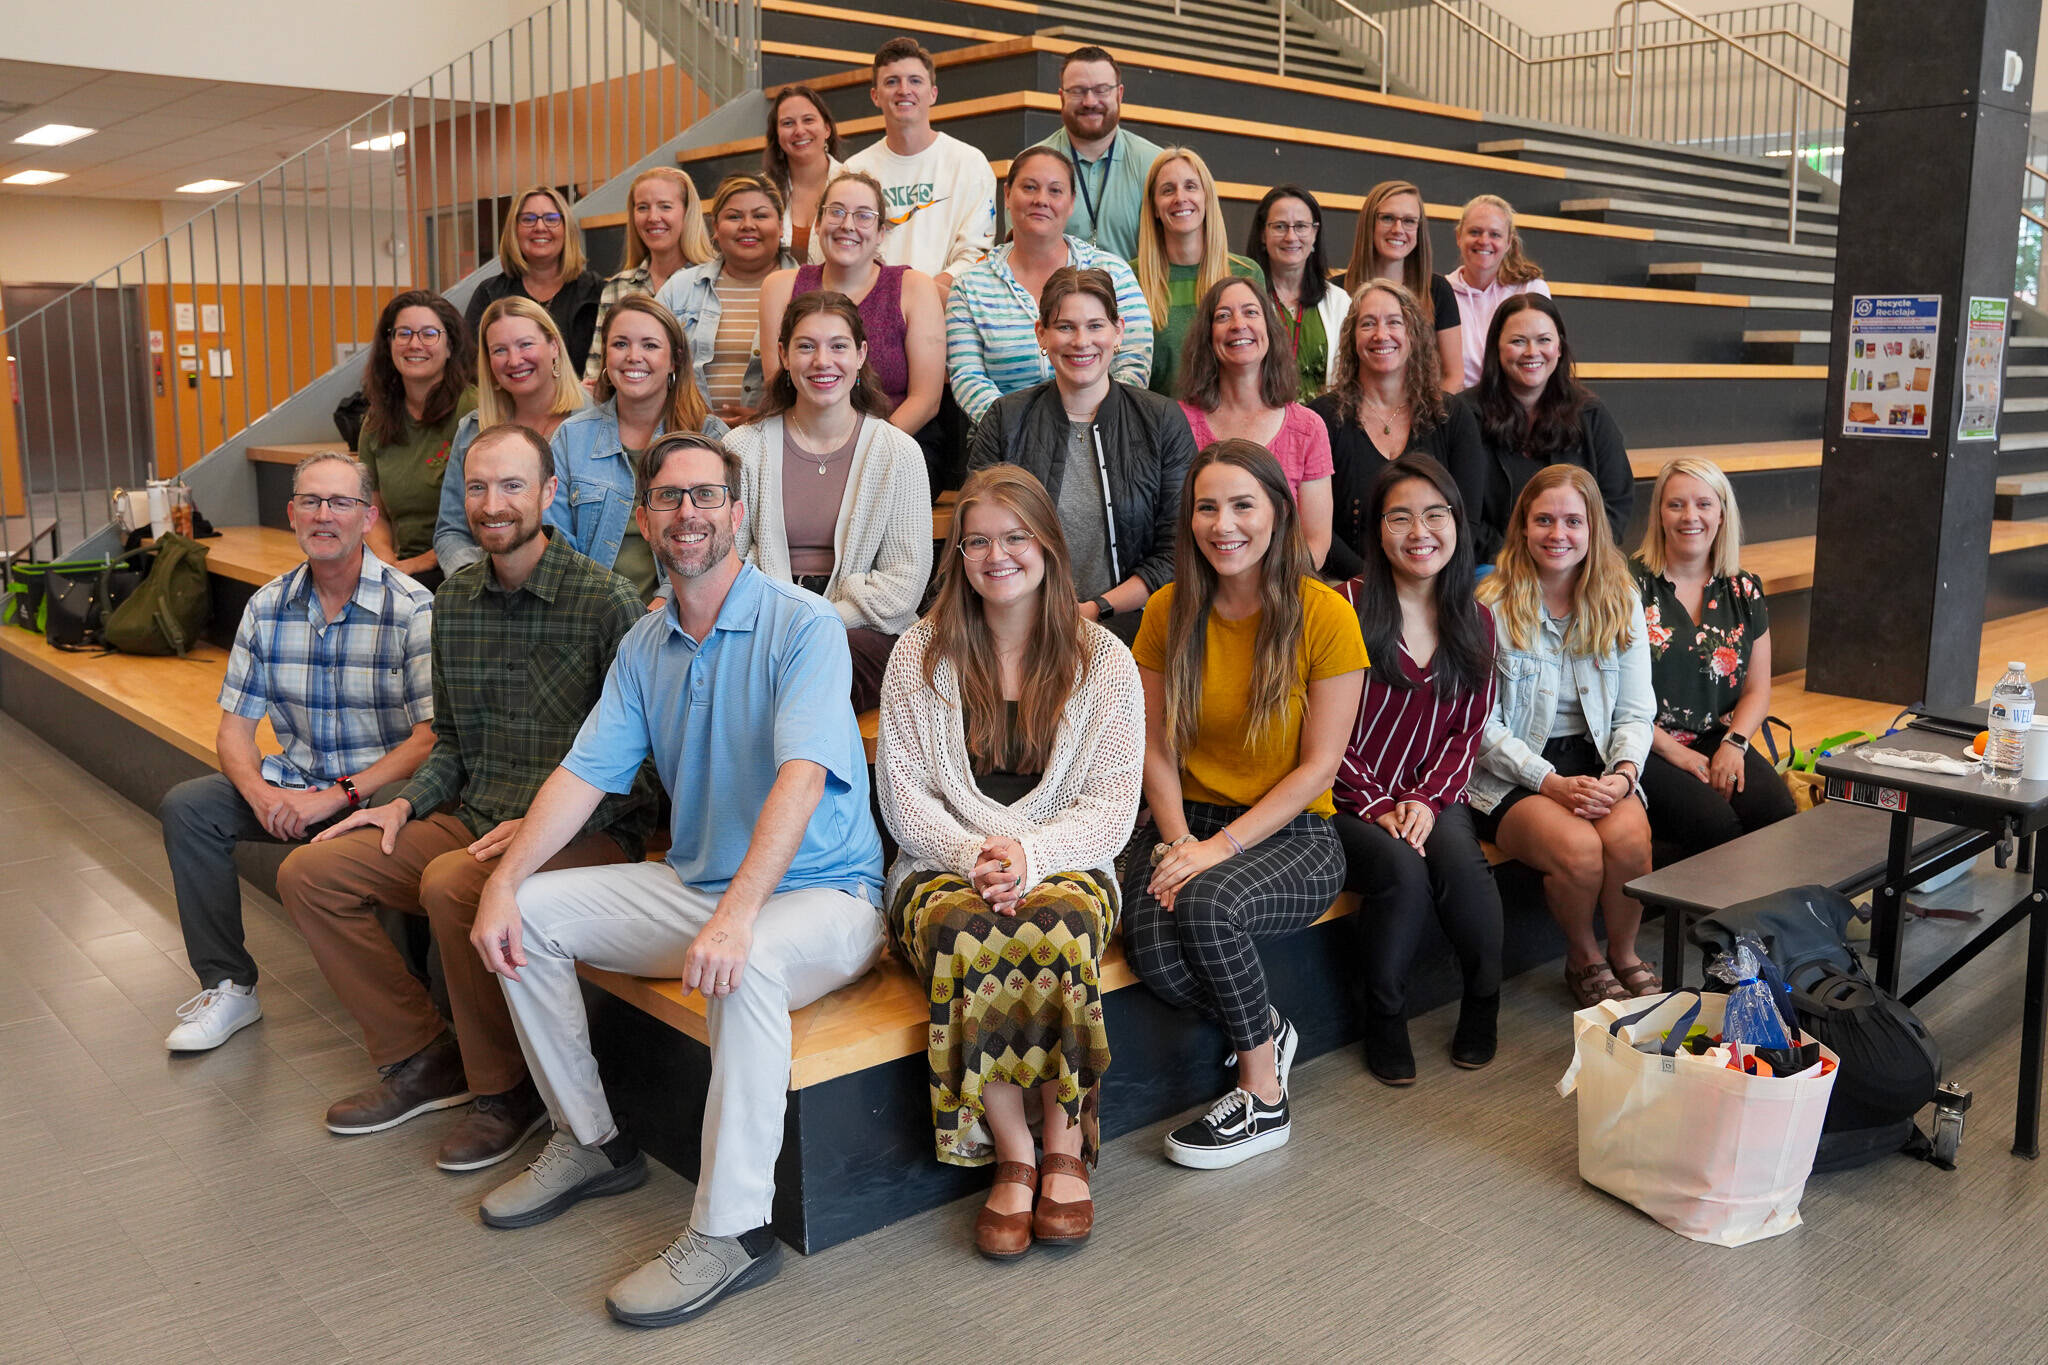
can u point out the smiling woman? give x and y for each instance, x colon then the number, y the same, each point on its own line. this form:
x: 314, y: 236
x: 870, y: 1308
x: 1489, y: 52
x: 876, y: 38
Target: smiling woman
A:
x: 719, y: 302
x: 1182, y: 254
x: 420, y: 384
x: 665, y: 234
x: 540, y: 257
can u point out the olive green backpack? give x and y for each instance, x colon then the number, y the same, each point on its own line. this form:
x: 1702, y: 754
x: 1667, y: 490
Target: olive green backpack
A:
x: 170, y: 610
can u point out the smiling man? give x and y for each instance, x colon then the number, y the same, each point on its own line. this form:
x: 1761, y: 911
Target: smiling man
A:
x: 336, y: 654
x: 1110, y: 161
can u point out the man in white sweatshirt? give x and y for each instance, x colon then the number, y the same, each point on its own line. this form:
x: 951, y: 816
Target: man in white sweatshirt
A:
x: 940, y: 193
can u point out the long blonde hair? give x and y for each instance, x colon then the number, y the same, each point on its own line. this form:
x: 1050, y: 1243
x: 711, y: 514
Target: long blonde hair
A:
x: 685, y: 408
x: 1515, y: 266
x: 696, y: 237
x: 1276, y: 649
x: 513, y: 261
x: 1724, y: 557
x: 493, y: 404
x: 1604, y: 594
x: 1151, y: 263
x: 1365, y: 256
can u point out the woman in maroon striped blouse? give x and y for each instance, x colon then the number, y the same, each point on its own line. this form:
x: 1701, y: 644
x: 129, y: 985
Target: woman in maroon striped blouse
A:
x: 1409, y: 846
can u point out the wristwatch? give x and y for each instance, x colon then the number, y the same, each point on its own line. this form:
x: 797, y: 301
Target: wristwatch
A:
x: 348, y: 789
x: 1739, y: 741
x: 1103, y: 610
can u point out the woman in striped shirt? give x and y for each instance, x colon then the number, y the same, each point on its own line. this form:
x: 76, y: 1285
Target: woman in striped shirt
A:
x: 1409, y: 846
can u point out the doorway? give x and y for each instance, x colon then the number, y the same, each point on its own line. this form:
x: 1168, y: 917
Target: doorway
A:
x: 82, y: 381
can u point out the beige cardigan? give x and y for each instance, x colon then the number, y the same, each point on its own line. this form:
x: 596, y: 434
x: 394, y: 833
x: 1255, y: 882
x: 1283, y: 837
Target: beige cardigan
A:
x: 882, y: 545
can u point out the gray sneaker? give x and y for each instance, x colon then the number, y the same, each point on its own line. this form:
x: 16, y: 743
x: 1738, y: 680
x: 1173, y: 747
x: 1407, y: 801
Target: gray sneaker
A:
x: 694, y: 1273
x: 564, y: 1173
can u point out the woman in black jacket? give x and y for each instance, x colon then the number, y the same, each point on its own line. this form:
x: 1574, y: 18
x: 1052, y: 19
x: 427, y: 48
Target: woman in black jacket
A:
x: 540, y: 256
x: 1126, y: 449
x: 1533, y: 412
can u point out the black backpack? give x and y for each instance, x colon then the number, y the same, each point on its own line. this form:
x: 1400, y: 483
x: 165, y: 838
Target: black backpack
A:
x: 1891, y: 1065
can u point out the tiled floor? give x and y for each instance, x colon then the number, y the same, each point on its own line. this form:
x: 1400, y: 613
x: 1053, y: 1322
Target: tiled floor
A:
x: 171, y: 1209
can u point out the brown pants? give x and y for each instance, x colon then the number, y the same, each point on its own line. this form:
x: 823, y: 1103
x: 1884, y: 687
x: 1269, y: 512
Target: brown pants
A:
x: 333, y: 891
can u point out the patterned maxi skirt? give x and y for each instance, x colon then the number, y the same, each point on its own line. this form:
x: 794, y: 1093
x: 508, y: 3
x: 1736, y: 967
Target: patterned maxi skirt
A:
x: 1014, y: 999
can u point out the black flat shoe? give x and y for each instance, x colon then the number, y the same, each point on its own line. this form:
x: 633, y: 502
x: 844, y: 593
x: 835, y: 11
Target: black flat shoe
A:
x: 1387, y: 1054
x: 1477, y: 1036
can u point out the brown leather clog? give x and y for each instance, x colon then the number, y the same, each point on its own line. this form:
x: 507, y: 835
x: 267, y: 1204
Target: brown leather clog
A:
x: 1006, y: 1236
x: 1057, y: 1224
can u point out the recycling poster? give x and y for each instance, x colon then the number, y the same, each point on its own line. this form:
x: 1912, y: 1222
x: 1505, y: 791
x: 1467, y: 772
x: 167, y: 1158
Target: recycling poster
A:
x: 1983, y: 369
x: 1892, y: 343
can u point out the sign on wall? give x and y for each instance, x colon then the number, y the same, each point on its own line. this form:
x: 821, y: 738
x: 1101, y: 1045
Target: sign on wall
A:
x: 1892, y: 344
x: 1983, y: 369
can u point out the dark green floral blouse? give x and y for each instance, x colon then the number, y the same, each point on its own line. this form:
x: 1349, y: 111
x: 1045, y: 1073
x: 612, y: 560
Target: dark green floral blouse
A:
x: 1698, y: 667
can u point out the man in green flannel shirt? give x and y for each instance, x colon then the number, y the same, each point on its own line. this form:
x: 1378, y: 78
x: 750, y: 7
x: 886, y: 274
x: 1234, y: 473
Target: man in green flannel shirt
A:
x: 522, y: 642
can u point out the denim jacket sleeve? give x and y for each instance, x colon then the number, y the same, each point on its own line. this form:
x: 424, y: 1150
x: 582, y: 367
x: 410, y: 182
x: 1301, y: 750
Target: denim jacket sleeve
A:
x: 454, y: 547
x: 1635, y: 699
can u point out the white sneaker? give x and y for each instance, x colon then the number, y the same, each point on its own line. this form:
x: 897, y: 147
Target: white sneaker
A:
x: 211, y: 1017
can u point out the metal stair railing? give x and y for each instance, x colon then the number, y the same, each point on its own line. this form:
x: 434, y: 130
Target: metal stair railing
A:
x: 172, y: 352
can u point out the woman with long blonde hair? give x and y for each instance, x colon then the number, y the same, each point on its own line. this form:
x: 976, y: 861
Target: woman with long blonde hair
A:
x: 1008, y: 769
x: 1392, y: 243
x: 541, y: 257
x: 665, y: 234
x: 1252, y: 672
x: 1182, y: 253
x: 1558, y: 781
x: 1491, y: 267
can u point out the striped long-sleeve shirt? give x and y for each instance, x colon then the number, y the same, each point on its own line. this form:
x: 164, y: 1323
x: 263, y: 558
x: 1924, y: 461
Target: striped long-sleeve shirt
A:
x: 1409, y: 744
x: 992, y: 337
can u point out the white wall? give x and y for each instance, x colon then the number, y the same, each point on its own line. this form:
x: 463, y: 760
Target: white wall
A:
x: 1545, y: 17
x: 67, y: 241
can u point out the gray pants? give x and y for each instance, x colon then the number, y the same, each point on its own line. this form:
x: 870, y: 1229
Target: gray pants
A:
x: 638, y: 918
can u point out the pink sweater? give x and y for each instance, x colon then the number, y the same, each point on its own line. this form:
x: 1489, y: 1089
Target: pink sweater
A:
x: 1302, y: 445
x: 1475, y: 314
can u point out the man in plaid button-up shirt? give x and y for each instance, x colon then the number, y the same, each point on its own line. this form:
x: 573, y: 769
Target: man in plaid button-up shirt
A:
x: 522, y: 642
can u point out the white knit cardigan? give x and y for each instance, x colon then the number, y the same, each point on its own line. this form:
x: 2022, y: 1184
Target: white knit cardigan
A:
x: 1078, y: 817
x: 882, y: 544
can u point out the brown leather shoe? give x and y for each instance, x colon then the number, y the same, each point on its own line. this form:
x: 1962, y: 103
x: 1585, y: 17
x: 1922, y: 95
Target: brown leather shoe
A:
x: 429, y: 1079
x: 493, y: 1129
x: 1057, y: 1224
x: 1006, y: 1236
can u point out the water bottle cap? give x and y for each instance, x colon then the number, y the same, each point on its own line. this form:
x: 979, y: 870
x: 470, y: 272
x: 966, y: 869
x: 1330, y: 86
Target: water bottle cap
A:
x: 2016, y: 666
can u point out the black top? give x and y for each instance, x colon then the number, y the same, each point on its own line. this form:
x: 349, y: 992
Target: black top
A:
x: 1698, y: 667
x: 1443, y: 304
x: 1001, y: 782
x: 574, y: 309
x: 1358, y: 463
x: 1599, y: 450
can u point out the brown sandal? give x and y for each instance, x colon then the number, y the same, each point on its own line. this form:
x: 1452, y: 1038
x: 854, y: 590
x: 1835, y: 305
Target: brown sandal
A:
x: 1639, y: 979
x: 1593, y: 983
x: 1057, y: 1224
x: 1006, y: 1236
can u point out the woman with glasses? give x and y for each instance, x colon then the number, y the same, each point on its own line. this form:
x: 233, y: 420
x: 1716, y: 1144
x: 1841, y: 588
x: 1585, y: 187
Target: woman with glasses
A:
x: 1182, y: 253
x: 540, y: 257
x: 719, y: 302
x: 991, y: 341
x: 665, y: 234
x: 1392, y: 243
x: 1410, y: 851
x: 1286, y: 241
x: 1111, y: 455
x: 837, y: 499
x: 800, y: 157
x: 1008, y: 768
x: 420, y: 384
x: 899, y: 306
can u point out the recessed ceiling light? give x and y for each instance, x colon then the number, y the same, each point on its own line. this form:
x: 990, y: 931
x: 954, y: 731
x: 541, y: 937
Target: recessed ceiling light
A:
x: 209, y: 186
x: 55, y: 135
x: 34, y: 178
x: 379, y: 144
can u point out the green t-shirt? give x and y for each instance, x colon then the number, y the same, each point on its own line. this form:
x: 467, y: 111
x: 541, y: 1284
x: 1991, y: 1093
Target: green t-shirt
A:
x: 406, y: 474
x: 1311, y: 346
x: 636, y: 563
x: 1181, y: 299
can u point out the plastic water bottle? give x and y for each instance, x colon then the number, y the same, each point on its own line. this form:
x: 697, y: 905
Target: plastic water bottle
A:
x: 2011, y: 716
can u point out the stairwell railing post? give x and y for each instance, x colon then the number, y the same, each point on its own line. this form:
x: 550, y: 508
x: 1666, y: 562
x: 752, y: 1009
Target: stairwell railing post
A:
x: 1282, y: 5
x: 1792, y: 170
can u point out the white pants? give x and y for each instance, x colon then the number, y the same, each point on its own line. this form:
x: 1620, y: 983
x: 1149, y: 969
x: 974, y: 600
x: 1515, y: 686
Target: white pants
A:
x: 637, y: 918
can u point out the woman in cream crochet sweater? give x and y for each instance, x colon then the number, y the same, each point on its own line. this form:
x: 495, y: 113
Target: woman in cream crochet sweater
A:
x: 1009, y: 767
x: 836, y: 498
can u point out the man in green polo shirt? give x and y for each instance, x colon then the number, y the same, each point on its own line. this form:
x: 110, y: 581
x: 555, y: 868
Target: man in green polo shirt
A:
x: 1110, y: 162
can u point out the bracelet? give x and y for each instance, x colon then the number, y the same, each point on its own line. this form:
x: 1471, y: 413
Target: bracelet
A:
x: 1225, y: 832
x: 348, y: 789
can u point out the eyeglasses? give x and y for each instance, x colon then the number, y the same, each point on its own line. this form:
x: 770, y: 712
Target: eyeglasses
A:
x: 974, y: 549
x: 1395, y: 220
x: 534, y: 219
x: 1435, y: 519
x: 1292, y: 229
x: 429, y: 335
x: 311, y: 503
x: 706, y: 496
x: 839, y: 213
x: 1087, y: 92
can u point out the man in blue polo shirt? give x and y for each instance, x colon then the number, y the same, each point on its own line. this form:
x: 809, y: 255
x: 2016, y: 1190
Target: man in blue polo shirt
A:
x: 738, y: 689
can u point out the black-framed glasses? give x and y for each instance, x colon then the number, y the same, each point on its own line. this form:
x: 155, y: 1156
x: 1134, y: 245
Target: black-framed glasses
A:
x: 311, y: 503
x: 839, y: 213
x: 1434, y: 519
x: 974, y: 549
x: 430, y: 335
x: 551, y: 218
x: 1397, y: 220
x: 703, y: 496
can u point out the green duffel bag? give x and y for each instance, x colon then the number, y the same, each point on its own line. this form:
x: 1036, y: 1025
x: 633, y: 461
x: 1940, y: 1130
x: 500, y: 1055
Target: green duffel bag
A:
x: 169, y: 612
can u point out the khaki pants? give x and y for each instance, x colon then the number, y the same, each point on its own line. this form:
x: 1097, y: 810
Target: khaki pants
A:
x: 333, y: 891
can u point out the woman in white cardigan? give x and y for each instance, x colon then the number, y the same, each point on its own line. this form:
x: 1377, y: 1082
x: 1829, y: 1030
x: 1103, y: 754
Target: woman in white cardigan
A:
x: 1009, y: 767
x: 837, y: 500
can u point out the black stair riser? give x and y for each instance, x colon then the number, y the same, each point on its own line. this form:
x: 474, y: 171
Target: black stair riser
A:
x: 1785, y: 353
x: 1690, y: 412
x: 2027, y: 507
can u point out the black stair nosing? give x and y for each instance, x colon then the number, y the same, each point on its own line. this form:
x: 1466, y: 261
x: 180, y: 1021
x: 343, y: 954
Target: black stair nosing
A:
x: 1636, y: 208
x: 1316, y: 66
x: 1596, y: 137
x: 1540, y: 148
x: 1071, y: 11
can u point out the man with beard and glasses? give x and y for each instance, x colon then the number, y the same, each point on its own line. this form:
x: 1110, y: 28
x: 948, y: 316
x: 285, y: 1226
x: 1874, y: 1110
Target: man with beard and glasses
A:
x: 1109, y: 160
x: 737, y: 687
x: 522, y: 640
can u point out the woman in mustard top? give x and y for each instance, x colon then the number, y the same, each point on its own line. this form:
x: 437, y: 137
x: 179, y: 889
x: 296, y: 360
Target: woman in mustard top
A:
x: 1252, y: 671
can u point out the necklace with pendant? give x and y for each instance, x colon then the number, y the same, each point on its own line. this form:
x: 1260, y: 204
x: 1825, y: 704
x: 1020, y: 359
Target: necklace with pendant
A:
x: 824, y: 463
x: 1387, y: 416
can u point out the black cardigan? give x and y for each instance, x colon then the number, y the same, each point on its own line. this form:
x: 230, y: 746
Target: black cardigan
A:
x: 1600, y: 451
x: 1453, y: 443
x: 574, y: 309
x: 1146, y: 444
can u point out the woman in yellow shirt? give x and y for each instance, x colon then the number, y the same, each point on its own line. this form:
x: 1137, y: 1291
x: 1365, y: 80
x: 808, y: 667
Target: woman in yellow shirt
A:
x: 1252, y: 671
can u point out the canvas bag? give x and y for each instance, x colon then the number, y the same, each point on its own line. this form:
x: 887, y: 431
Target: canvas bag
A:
x: 166, y: 614
x: 1715, y: 1155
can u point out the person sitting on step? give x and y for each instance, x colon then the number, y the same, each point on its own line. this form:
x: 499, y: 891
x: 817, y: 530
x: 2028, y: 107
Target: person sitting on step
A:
x: 420, y: 383
x: 1286, y: 241
x: 1391, y: 244
x: 1182, y: 252
x: 1492, y: 268
x: 665, y: 235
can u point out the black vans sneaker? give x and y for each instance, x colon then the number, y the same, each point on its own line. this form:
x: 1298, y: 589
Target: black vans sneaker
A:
x: 1238, y: 1126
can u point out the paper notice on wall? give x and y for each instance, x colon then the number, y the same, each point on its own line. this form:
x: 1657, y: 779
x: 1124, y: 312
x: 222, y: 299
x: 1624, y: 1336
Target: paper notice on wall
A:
x: 209, y: 317
x: 181, y: 316
x: 1892, y: 341
x: 1983, y: 381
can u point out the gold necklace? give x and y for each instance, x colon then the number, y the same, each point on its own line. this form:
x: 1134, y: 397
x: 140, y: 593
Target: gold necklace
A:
x: 1387, y: 416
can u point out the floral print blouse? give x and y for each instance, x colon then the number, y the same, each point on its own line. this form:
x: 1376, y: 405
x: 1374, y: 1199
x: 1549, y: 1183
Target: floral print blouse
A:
x: 1697, y: 667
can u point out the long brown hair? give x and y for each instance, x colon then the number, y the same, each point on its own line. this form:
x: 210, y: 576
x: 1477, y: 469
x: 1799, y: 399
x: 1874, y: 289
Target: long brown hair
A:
x: 1603, y: 595
x: 1416, y: 271
x: 1276, y: 651
x: 1054, y: 662
x: 695, y: 238
x: 1201, y: 372
x: 866, y: 394
x: 1422, y: 382
x: 385, y: 421
x: 775, y: 161
x: 1553, y: 426
x: 685, y: 409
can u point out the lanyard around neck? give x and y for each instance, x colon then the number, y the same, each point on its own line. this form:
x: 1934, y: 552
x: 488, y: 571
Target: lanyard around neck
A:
x: 1081, y: 184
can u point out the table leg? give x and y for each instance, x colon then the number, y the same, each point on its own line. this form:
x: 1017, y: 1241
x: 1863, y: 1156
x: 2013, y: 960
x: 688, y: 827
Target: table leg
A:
x: 2026, y: 1130
x: 1674, y: 948
x: 1887, y: 903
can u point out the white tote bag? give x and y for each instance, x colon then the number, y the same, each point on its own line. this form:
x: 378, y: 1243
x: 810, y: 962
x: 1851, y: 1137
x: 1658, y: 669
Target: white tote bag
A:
x: 1716, y: 1155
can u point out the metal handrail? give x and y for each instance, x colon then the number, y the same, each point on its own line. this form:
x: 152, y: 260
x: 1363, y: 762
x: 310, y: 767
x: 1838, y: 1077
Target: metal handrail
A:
x: 1635, y: 7
x: 1351, y: 12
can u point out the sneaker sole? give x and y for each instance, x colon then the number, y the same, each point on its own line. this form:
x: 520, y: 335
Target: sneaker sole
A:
x: 424, y: 1107
x: 1218, y: 1158
x: 518, y: 1142
x: 208, y: 1047
x: 759, y: 1271
x: 618, y: 1180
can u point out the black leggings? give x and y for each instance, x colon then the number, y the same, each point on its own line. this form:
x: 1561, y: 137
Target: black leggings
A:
x: 1687, y: 812
x: 1400, y: 889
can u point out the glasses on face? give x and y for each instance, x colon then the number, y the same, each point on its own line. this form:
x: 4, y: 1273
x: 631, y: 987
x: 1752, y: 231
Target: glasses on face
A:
x: 1087, y: 92
x: 836, y: 214
x: 430, y: 335
x: 311, y: 503
x: 704, y: 496
x: 974, y: 549
x: 551, y: 218
x: 1398, y: 220
x: 1434, y: 519
x: 1292, y: 229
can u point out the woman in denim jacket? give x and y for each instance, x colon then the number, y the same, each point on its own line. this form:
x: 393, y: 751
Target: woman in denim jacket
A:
x: 719, y: 302
x: 1557, y: 781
